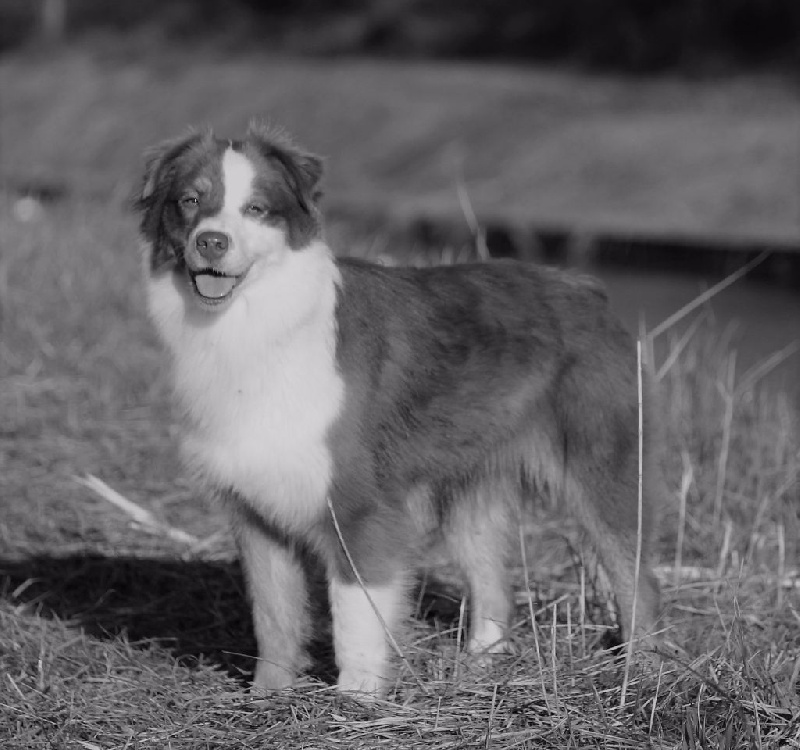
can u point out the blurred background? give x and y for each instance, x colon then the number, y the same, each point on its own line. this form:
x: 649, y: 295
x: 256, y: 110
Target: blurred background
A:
x: 657, y: 144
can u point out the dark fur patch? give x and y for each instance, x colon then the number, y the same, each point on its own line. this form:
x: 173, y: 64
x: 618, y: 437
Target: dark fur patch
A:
x: 192, y: 163
x: 287, y: 179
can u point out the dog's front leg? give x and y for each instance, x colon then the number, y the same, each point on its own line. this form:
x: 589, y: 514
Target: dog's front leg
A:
x: 278, y: 590
x: 363, y: 619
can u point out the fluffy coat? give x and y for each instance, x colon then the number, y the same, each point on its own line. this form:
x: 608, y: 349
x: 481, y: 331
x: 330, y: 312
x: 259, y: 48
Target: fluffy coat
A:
x: 356, y: 416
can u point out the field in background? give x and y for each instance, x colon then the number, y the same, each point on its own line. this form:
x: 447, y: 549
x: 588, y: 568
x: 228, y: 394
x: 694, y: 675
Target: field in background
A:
x: 111, y: 637
x: 587, y: 151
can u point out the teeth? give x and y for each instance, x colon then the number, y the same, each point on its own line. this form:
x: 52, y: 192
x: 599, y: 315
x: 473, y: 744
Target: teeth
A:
x: 214, y: 287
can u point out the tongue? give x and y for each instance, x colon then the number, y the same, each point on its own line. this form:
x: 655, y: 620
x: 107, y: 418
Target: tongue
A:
x: 212, y: 286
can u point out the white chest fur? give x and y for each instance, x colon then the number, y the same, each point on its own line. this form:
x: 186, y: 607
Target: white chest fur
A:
x: 260, y: 390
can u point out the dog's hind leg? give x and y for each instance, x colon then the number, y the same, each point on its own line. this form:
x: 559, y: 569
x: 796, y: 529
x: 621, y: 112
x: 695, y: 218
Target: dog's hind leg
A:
x: 595, y: 468
x: 478, y: 533
x: 609, y: 512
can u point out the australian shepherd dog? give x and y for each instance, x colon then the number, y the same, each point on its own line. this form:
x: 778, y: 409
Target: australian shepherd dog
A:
x: 355, y: 416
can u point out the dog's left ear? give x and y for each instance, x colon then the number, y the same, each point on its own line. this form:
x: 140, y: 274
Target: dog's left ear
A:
x: 303, y: 169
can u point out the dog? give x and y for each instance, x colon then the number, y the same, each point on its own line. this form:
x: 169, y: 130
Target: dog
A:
x: 357, y: 416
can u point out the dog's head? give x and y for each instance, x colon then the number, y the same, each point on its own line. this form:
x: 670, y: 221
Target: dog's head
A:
x: 221, y: 212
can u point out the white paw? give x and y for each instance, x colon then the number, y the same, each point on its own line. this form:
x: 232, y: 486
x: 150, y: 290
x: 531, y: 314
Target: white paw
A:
x: 364, y: 685
x: 496, y: 647
x: 270, y: 677
x: 489, y: 638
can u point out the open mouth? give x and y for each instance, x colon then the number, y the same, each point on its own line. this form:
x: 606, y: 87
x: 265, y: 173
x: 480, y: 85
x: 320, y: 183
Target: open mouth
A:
x: 214, y: 287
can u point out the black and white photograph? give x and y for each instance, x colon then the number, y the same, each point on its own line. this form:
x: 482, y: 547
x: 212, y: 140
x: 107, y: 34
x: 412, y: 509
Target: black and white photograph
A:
x: 399, y: 374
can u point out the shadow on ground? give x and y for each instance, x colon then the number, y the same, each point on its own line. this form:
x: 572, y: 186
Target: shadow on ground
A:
x: 196, y: 609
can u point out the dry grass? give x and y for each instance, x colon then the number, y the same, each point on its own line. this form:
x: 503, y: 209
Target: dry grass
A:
x: 112, y: 636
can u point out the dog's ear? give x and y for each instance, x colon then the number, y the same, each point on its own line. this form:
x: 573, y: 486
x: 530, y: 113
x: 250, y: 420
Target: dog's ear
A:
x: 303, y: 169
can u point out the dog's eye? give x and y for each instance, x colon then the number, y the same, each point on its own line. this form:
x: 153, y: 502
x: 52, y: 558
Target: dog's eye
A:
x: 255, y: 209
x: 189, y: 201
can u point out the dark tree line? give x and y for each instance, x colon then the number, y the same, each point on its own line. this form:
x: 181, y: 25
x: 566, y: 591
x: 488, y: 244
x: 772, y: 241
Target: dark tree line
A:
x: 630, y: 35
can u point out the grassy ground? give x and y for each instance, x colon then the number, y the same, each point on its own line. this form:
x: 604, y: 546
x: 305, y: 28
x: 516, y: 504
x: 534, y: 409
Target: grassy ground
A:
x: 557, y: 147
x: 112, y: 637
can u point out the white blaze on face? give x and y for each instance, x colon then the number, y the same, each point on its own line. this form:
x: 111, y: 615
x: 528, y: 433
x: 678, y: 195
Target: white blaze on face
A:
x: 251, y: 239
x: 237, y: 182
x: 237, y: 185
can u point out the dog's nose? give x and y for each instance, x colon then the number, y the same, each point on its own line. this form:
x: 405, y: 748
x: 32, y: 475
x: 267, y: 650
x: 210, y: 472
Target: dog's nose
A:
x: 212, y: 245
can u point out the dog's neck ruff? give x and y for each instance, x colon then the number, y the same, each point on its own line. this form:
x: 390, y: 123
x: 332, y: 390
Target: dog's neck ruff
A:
x: 258, y: 383
x: 287, y: 312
